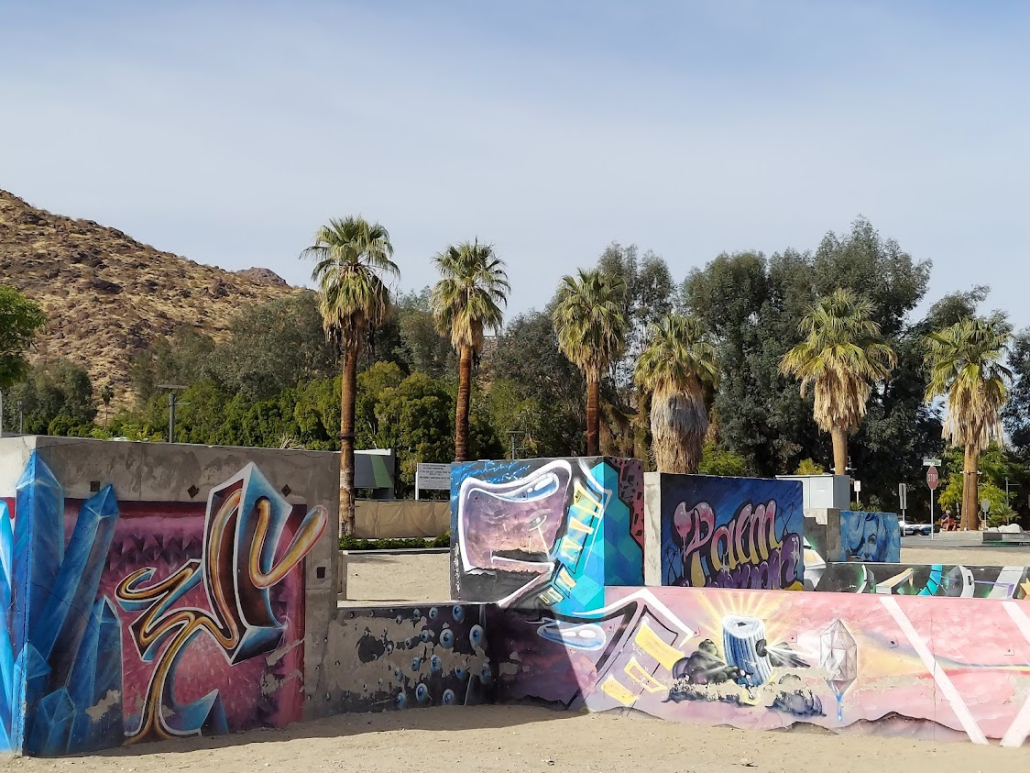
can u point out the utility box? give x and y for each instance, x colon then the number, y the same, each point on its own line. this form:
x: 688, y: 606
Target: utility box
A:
x: 822, y: 492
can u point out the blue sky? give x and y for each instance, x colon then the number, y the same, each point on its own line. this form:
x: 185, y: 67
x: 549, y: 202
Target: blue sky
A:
x: 227, y: 132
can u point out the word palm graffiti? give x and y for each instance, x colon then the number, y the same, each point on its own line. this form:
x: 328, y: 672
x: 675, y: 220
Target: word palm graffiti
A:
x: 742, y: 553
x: 240, y: 563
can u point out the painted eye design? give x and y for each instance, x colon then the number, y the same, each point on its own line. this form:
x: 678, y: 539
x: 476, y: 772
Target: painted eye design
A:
x: 447, y: 638
x: 460, y: 674
x: 426, y: 635
x: 476, y: 635
x: 415, y: 664
x: 421, y: 693
x: 434, y: 663
x: 399, y: 619
x: 401, y: 700
x: 458, y: 612
x: 448, y: 697
x: 486, y: 675
x: 397, y: 674
x: 433, y: 613
x: 409, y: 643
x: 417, y: 614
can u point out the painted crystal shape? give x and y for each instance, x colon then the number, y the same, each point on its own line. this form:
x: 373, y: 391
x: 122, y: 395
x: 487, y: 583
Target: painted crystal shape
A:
x: 838, y: 656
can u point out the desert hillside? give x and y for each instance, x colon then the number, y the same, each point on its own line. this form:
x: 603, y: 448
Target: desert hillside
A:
x: 107, y: 296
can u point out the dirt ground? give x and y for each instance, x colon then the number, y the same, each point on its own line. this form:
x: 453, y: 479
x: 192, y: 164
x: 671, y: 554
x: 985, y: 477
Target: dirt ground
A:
x: 510, y: 739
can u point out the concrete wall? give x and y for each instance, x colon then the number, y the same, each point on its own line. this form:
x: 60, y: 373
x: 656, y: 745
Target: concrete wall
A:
x: 932, y: 668
x: 210, y: 570
x: 408, y: 656
x: 870, y: 536
x: 550, y: 532
x: 949, y: 580
x: 822, y: 543
x: 709, y: 531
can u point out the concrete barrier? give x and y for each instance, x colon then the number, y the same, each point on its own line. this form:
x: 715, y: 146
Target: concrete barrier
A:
x: 397, y: 519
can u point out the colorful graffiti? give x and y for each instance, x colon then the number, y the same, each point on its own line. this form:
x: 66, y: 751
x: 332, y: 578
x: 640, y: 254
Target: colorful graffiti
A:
x: 933, y: 668
x: 551, y: 532
x: 134, y: 621
x: 731, y: 532
x: 953, y: 581
x: 409, y: 657
x: 870, y: 536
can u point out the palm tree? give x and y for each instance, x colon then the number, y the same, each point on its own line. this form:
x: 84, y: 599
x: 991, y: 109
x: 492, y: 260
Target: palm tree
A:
x: 590, y: 324
x: 351, y: 258
x: 841, y: 355
x: 465, y: 301
x: 678, y: 369
x: 965, y: 367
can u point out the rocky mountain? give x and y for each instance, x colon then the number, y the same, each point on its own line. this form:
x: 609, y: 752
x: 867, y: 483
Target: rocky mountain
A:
x: 107, y: 296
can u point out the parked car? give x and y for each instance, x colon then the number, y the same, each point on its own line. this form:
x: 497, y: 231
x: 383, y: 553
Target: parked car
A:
x: 908, y: 528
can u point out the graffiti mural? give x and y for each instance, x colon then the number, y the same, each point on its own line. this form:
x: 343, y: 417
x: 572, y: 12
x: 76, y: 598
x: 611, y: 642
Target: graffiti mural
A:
x: 134, y: 621
x: 870, y: 536
x: 954, y: 581
x: 408, y: 657
x: 551, y: 532
x: 933, y: 668
x: 731, y: 532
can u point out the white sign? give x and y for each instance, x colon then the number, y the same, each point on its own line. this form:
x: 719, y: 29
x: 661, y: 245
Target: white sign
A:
x: 985, y: 505
x: 928, y: 462
x: 433, y: 477
x: 858, y: 486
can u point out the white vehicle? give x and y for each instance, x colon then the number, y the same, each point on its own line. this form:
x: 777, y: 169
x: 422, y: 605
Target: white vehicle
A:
x: 908, y: 528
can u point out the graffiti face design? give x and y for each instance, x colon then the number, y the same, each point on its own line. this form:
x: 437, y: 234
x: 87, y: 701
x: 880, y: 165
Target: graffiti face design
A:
x: 241, y: 562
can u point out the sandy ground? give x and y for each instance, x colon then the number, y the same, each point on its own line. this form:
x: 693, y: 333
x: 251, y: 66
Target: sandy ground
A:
x: 420, y: 578
x: 510, y: 739
x: 525, y: 738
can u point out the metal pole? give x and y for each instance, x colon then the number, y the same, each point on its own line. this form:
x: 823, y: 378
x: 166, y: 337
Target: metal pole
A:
x: 171, y: 417
x: 931, y: 514
x: 21, y: 420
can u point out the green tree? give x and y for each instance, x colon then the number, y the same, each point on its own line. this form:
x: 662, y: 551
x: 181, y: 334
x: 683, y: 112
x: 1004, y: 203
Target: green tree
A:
x: 678, y: 370
x: 809, y: 467
x: 20, y: 320
x: 842, y: 354
x: 542, y: 388
x: 1016, y: 414
x: 467, y: 299
x: 183, y: 358
x: 274, y: 346
x: 589, y: 320
x: 49, y: 391
x: 719, y: 461
x: 352, y: 257
x: 965, y: 362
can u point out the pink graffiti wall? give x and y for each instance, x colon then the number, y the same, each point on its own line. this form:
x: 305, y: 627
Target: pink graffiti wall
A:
x: 944, y: 669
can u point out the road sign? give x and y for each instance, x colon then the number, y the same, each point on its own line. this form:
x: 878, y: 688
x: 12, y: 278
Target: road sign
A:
x: 903, y: 495
x: 858, y: 486
x: 933, y: 480
x: 930, y: 462
x: 985, y: 505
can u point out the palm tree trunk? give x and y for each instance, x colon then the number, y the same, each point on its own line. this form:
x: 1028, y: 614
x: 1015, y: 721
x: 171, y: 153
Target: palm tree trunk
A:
x: 461, y: 415
x: 348, y: 390
x: 970, y: 494
x: 593, y: 415
x: 840, y: 450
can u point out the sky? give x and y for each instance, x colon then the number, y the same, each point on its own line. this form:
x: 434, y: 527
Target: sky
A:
x: 227, y: 132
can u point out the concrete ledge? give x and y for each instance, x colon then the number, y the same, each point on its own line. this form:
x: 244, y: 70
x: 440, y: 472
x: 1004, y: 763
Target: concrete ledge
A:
x: 1007, y: 537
